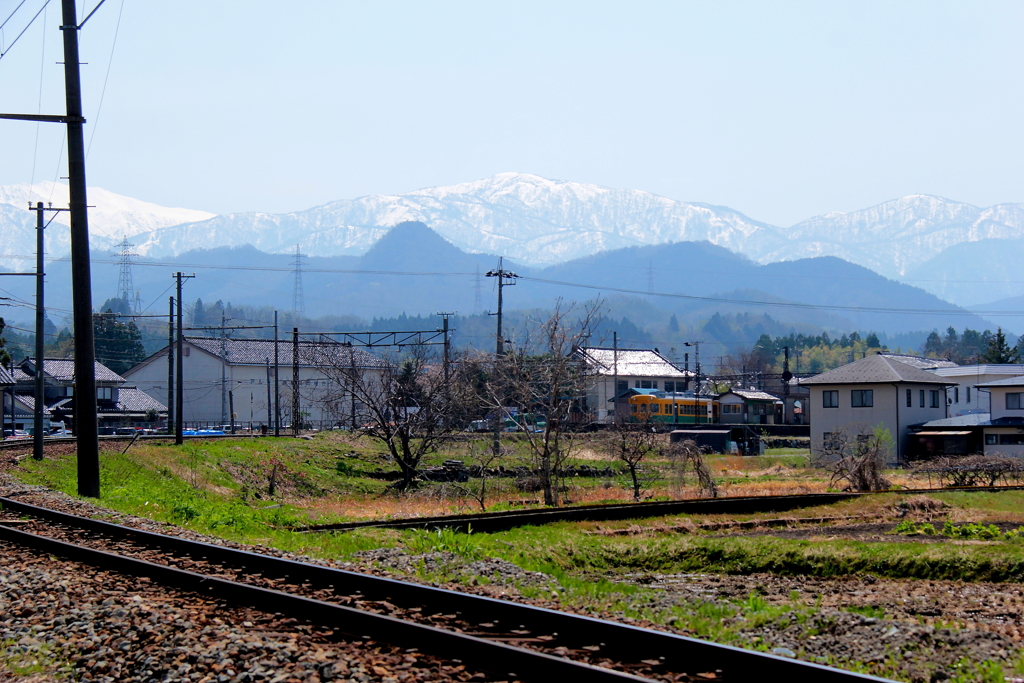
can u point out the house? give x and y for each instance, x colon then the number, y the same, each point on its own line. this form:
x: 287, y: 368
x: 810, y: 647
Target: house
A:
x: 964, y: 397
x: 741, y: 406
x: 219, y: 372
x: 118, y: 404
x: 632, y: 369
x: 875, y: 391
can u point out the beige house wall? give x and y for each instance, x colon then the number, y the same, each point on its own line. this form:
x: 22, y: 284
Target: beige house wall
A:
x: 889, y: 410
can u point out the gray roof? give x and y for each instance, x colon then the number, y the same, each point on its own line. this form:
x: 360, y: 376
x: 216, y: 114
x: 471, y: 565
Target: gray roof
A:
x: 1008, y: 382
x: 631, y: 363
x: 877, y: 369
x: 982, y: 369
x: 752, y: 395
x: 257, y: 351
x: 133, y: 400
x: 63, y: 370
x: 976, y: 420
x: 921, y: 362
x: 6, y: 378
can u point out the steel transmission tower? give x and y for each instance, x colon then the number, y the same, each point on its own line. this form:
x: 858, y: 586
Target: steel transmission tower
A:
x: 125, y: 284
x: 298, y: 299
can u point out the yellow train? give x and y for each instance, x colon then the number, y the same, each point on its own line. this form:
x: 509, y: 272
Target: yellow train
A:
x: 673, y: 408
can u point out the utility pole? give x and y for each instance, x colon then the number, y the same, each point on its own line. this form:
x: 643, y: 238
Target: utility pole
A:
x: 499, y: 351
x: 40, y: 401
x: 223, y: 370
x: 269, y: 404
x: 296, y: 415
x: 86, y: 426
x: 696, y: 386
x: 447, y: 344
x: 615, y: 377
x: 170, y: 365
x: 277, y: 384
x: 179, y: 397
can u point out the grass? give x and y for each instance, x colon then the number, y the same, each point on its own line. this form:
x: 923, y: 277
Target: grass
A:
x: 223, y: 488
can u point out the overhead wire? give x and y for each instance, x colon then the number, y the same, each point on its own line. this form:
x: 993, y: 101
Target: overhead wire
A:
x: 27, y: 26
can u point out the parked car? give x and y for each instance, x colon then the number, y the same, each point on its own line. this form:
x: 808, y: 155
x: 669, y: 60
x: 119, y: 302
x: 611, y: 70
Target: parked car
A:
x: 16, y: 434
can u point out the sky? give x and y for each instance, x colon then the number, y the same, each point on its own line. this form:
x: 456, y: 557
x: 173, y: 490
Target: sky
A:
x: 780, y: 110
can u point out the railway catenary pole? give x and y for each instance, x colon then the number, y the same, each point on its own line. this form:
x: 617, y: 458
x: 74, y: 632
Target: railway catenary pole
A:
x: 40, y: 400
x: 277, y: 383
x: 170, y: 365
x: 296, y: 415
x: 269, y: 404
x: 179, y: 396
x: 86, y: 425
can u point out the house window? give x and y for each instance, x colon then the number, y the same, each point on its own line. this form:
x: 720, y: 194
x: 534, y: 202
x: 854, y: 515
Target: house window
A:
x: 956, y: 394
x: 991, y: 439
x: 922, y: 398
x: 830, y: 399
x: 732, y: 408
x: 968, y: 394
x: 646, y: 384
x: 1011, y: 439
x: 934, y: 395
x: 832, y: 440
x: 623, y: 387
x: 1013, y: 401
x: 862, y: 398
x: 910, y: 398
x: 670, y: 386
x: 104, y: 393
x: 636, y: 384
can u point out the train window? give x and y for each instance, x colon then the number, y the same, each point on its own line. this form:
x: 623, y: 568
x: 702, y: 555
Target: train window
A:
x: 655, y: 408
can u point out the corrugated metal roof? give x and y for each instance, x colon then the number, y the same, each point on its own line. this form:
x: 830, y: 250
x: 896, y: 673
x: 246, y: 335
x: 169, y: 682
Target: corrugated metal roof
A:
x: 631, y: 363
x: 311, y: 354
x: 751, y: 395
x: 921, y: 362
x: 877, y: 369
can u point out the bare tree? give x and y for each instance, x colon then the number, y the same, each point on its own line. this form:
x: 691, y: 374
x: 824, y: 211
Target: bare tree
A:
x: 857, y: 457
x: 410, y: 404
x: 634, y: 444
x: 688, y: 456
x: 547, y: 379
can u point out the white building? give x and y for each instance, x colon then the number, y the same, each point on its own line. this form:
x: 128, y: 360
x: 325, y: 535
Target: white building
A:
x: 963, y: 397
x: 633, y: 369
x: 243, y: 369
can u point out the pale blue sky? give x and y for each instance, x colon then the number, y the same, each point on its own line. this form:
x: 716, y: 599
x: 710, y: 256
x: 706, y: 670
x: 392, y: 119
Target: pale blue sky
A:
x: 781, y: 110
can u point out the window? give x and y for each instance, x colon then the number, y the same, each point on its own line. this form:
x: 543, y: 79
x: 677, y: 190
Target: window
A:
x: 1011, y: 439
x: 734, y: 408
x: 655, y: 408
x: 862, y: 398
x: 934, y: 395
x: 632, y: 407
x: 104, y: 393
x: 922, y: 398
x: 636, y: 384
x: 956, y: 394
x: 1013, y: 401
x: 968, y: 394
x: 991, y: 439
x: 830, y: 399
x: 910, y: 398
x: 670, y: 385
x: 623, y: 387
x: 832, y: 440
x: 646, y: 384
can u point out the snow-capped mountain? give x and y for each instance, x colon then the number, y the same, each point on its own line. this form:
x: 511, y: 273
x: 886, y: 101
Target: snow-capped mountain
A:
x: 526, y: 217
x: 112, y: 218
x: 538, y: 221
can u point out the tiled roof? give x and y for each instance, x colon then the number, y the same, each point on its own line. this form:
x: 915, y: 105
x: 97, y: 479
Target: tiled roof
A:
x: 877, y: 369
x: 920, y: 362
x: 6, y: 378
x: 257, y: 351
x: 133, y: 400
x: 631, y: 363
x: 63, y: 370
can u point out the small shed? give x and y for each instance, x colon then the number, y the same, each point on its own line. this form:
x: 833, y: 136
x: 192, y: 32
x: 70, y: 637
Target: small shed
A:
x: 709, y: 440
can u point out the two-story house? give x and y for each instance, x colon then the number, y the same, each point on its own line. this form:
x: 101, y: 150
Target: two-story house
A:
x: 876, y: 391
x: 964, y: 398
x: 632, y: 369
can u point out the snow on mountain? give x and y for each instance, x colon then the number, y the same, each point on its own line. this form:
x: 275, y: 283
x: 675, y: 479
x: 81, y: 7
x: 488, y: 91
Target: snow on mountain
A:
x: 526, y: 217
x: 111, y: 218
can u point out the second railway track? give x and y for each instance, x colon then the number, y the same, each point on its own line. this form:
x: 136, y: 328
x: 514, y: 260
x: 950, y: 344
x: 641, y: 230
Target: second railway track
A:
x: 504, y: 638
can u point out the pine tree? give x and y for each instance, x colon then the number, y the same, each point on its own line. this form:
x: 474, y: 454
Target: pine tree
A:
x: 999, y: 352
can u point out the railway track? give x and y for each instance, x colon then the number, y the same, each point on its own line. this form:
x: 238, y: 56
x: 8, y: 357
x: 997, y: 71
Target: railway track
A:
x: 506, y: 639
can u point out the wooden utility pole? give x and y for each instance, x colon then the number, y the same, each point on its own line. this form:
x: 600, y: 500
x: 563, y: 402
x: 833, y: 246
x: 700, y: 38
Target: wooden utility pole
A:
x: 40, y: 400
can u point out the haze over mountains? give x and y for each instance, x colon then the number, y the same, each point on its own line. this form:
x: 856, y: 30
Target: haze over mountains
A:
x: 958, y: 251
